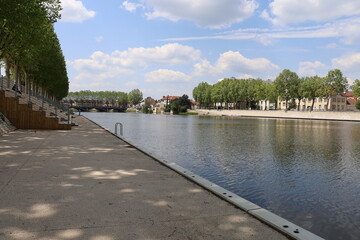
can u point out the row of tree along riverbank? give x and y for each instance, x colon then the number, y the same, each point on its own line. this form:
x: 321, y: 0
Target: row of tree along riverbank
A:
x: 288, y: 87
x: 30, y: 49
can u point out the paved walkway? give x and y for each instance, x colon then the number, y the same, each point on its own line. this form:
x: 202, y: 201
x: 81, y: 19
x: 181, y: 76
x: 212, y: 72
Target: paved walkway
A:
x: 87, y: 184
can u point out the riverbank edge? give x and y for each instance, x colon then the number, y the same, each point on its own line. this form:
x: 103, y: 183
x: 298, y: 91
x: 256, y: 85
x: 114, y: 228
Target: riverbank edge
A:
x: 278, y: 223
x: 281, y: 114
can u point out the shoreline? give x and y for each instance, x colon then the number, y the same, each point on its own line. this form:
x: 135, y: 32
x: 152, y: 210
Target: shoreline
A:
x: 289, y: 229
x: 281, y: 114
x: 59, y: 175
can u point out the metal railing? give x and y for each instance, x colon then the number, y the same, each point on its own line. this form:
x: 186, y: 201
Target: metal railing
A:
x: 4, y: 82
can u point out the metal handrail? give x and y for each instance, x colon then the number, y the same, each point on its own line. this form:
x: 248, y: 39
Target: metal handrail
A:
x: 121, y: 129
x: 56, y: 105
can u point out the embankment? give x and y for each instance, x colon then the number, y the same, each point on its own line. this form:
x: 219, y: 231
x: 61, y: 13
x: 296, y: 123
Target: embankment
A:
x: 335, y: 116
x: 5, y: 125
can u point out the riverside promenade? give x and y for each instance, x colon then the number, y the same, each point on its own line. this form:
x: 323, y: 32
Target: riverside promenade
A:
x: 88, y: 184
x: 331, y: 116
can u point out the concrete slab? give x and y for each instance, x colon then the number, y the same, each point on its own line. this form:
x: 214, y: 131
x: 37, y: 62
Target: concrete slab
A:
x: 88, y: 184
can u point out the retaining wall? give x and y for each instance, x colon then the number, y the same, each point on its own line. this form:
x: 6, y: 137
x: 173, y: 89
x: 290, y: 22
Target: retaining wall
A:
x: 22, y: 116
x: 338, y: 116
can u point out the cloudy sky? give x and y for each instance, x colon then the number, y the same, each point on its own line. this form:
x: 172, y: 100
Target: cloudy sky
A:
x: 167, y: 47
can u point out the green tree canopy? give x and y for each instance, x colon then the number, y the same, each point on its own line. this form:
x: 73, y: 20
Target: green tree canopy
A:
x: 286, y: 85
x: 135, y: 96
x: 356, y: 88
x: 311, y: 88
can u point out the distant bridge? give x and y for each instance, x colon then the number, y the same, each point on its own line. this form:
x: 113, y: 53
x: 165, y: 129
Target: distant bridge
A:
x: 99, y: 108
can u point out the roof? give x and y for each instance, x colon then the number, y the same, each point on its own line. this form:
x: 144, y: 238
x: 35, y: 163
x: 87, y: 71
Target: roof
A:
x: 170, y: 98
x: 351, y: 101
x: 347, y: 94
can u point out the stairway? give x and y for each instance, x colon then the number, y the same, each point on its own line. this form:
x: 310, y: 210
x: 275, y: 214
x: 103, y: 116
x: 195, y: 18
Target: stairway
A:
x: 29, y: 112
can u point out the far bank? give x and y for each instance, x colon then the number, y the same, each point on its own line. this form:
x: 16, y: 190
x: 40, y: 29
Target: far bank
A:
x: 334, y: 116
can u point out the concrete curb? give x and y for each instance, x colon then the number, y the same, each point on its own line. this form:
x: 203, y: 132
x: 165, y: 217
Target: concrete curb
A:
x: 278, y: 223
x: 320, y: 116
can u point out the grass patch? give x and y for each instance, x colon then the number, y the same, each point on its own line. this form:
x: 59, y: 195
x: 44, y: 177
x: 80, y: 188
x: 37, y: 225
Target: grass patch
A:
x: 131, y: 111
x: 189, y: 113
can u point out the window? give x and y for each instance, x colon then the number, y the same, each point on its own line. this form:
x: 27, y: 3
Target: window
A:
x: 334, y: 99
x: 315, y: 100
x: 320, y: 99
x: 343, y: 99
x: 333, y: 107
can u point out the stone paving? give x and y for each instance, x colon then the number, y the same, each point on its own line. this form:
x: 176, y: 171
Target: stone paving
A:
x: 88, y: 184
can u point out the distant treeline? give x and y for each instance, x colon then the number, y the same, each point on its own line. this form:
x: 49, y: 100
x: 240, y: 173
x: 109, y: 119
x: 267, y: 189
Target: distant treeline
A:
x: 29, y: 47
x: 100, y: 98
x: 288, y: 86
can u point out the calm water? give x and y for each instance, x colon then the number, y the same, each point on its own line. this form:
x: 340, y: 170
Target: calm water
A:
x: 305, y: 171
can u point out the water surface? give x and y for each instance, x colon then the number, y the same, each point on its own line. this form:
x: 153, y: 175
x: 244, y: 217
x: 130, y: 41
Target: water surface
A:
x: 305, y: 171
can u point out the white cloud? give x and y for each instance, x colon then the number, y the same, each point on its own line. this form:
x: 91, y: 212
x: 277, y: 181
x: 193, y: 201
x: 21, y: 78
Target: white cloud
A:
x: 166, y: 75
x: 348, y: 30
x: 331, y: 46
x: 131, y: 84
x: 204, y: 67
x: 310, y: 68
x: 131, y: 7
x: 168, y: 54
x: 204, y: 13
x: 282, y: 12
x: 137, y: 58
x: 121, y: 67
x: 99, y: 39
x: 349, y: 64
x: 234, y: 62
x: 75, y: 11
x: 245, y: 76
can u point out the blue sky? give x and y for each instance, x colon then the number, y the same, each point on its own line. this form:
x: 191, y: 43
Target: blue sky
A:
x: 168, y: 47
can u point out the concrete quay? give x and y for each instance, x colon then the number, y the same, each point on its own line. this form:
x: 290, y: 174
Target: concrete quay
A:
x: 88, y: 184
x: 331, y: 116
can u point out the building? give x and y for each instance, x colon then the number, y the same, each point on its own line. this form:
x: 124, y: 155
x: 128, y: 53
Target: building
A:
x: 341, y: 102
x: 351, y: 101
x: 266, y: 105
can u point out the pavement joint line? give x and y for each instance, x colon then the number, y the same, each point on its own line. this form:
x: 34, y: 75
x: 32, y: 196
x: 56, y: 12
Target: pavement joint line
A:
x: 278, y: 223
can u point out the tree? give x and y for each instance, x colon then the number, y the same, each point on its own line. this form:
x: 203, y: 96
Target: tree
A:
x: 358, y: 105
x: 30, y: 48
x: 286, y: 85
x: 334, y: 83
x: 311, y: 88
x: 356, y: 88
x: 181, y: 104
x: 298, y: 94
x: 202, y: 94
x: 135, y: 96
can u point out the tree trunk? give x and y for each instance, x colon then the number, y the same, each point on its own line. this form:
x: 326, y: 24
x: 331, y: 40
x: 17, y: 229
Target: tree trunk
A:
x: 7, y: 71
x: 312, y: 105
x: 327, y: 103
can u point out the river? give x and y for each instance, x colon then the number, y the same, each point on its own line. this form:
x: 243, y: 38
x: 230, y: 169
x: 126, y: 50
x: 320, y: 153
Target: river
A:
x: 305, y: 171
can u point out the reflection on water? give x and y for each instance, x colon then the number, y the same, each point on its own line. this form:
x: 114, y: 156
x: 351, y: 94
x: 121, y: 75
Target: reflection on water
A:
x: 305, y: 171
